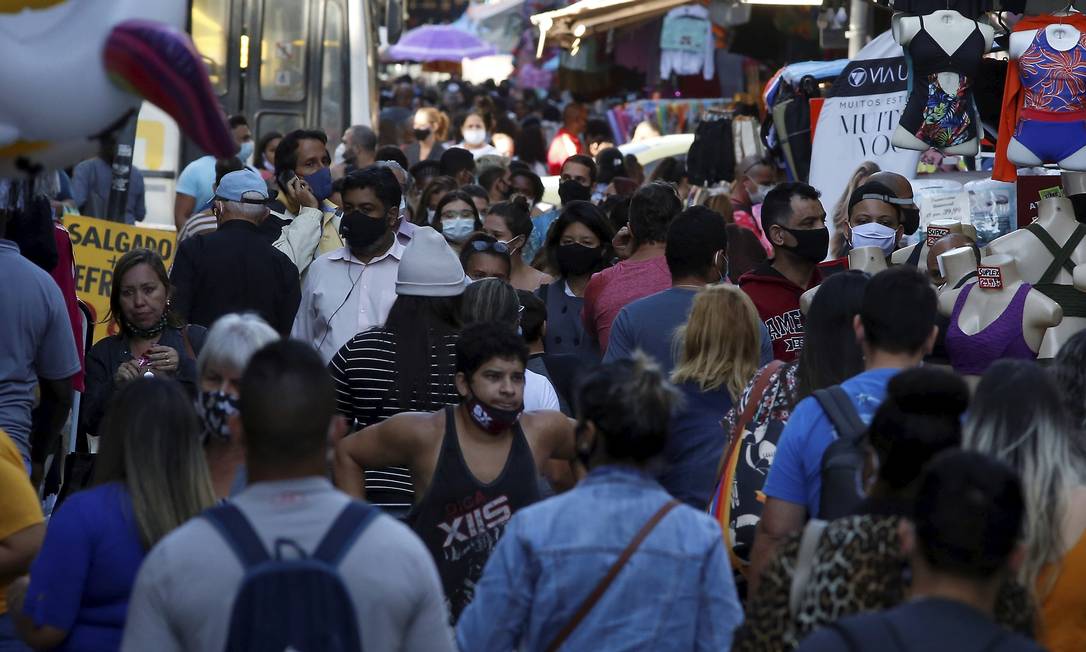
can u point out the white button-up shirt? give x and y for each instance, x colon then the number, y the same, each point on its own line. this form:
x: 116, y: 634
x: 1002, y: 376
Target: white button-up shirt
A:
x: 342, y: 297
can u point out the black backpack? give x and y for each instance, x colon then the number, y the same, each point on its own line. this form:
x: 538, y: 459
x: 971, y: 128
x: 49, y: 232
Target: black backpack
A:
x: 294, y: 602
x: 843, y: 461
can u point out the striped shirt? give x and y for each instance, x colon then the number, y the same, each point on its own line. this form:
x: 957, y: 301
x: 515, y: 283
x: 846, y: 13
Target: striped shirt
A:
x: 364, y: 372
x: 198, y: 224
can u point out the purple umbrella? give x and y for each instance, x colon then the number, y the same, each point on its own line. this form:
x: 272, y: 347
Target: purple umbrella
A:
x: 438, y: 43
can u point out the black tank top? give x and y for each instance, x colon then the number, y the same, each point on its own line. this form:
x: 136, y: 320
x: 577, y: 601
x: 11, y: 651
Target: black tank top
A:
x: 461, y: 519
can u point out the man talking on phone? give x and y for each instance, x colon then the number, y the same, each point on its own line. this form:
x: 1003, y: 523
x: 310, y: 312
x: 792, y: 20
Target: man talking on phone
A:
x: 309, y: 225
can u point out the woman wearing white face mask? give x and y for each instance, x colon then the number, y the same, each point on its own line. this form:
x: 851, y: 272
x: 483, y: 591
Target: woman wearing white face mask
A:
x: 456, y: 218
x: 473, y: 131
x: 872, y: 220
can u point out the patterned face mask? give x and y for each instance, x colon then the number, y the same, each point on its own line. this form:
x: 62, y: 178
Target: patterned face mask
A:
x: 215, y: 409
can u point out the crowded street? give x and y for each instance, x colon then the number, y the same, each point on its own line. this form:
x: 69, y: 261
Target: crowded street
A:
x: 495, y: 325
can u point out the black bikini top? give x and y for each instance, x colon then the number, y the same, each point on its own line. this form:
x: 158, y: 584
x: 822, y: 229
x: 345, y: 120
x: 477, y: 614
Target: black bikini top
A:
x: 928, y: 57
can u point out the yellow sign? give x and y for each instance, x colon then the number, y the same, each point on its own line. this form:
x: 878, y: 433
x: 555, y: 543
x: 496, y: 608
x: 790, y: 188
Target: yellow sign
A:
x: 98, y: 245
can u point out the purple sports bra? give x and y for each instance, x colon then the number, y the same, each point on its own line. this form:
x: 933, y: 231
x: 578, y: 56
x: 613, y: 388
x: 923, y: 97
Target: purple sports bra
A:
x: 1003, y: 338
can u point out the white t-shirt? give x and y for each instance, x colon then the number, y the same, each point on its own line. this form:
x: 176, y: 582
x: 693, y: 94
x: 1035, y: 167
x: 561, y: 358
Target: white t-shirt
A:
x: 539, y: 394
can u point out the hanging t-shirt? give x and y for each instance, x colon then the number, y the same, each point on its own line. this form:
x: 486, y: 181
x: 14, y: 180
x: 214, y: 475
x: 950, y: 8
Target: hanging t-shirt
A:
x: 686, y: 43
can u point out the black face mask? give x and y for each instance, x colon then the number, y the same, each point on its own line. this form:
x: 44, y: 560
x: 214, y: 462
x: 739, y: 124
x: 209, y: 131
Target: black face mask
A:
x: 577, y: 260
x: 811, y: 244
x: 421, y: 134
x: 571, y: 190
x: 361, y: 230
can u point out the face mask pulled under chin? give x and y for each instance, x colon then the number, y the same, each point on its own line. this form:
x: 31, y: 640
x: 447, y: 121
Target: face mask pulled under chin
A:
x: 874, y: 234
x: 491, y: 419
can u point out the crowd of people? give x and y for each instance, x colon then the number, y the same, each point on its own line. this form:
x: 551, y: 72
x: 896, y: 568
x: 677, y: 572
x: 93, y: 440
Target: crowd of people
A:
x: 610, y: 422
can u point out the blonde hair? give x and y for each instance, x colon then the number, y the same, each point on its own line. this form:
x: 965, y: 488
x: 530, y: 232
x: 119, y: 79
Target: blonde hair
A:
x: 840, y: 209
x: 719, y: 345
x: 1017, y: 418
x: 437, y: 117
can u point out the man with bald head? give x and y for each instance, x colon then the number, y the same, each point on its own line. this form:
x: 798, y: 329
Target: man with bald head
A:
x: 910, y: 213
x: 943, y: 245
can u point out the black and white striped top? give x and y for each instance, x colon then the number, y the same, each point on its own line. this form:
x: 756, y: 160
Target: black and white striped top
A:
x: 364, y: 371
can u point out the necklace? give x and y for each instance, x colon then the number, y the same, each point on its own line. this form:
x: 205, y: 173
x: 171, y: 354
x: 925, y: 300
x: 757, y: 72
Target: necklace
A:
x: 146, y: 333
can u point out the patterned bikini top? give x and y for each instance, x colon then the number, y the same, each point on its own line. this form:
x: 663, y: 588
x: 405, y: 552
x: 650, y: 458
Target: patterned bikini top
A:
x: 1053, y: 81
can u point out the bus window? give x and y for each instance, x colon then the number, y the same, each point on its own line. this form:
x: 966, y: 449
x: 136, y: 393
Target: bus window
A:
x: 210, y: 29
x: 333, y: 73
x: 283, y: 50
x: 278, y: 121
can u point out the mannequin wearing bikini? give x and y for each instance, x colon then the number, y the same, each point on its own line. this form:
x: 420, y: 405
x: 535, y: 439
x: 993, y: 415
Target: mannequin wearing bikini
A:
x: 1056, y: 218
x: 950, y: 32
x: 864, y: 259
x: 1051, y: 110
x: 936, y: 229
x: 999, y: 316
x: 954, y: 266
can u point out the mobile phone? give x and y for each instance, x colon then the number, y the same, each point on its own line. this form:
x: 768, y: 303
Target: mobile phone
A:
x: 284, y: 178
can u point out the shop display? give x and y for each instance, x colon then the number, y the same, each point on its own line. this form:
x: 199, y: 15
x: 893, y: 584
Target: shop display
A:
x: 917, y: 254
x: 945, y: 49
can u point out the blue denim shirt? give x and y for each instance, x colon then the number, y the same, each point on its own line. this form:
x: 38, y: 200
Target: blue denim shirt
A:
x: 675, y: 593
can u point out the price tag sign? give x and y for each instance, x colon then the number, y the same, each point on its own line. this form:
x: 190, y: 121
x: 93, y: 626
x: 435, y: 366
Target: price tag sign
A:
x: 989, y: 278
x: 936, y: 232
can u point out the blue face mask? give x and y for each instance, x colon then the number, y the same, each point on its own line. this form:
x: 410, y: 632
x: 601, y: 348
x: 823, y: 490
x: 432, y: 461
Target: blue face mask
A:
x: 874, y: 234
x: 320, y: 183
x: 246, y: 152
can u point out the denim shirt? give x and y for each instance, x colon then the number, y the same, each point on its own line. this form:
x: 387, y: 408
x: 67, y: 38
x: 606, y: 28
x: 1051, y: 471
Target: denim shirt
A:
x: 675, y: 593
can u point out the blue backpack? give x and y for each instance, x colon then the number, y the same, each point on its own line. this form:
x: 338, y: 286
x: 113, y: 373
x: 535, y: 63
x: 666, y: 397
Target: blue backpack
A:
x: 297, y: 602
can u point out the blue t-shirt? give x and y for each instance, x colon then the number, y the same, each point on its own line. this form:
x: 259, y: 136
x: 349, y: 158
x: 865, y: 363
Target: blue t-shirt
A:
x: 36, y: 340
x: 796, y: 472
x: 197, y: 179
x: 83, y: 576
x: 695, y: 443
x: 650, y: 323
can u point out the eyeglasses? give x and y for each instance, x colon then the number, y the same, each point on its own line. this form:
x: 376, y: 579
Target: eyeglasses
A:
x: 496, y: 247
x: 467, y: 215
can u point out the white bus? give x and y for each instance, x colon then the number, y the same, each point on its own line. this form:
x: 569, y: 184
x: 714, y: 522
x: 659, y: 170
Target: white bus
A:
x: 284, y: 64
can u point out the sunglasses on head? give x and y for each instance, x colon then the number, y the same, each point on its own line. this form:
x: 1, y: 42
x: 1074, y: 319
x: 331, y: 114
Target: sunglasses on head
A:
x: 496, y: 247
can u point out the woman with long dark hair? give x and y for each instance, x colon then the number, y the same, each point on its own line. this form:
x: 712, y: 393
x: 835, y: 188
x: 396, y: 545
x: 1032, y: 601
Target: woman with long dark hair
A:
x: 578, y: 245
x: 407, y: 365
x: 150, y: 477
x: 151, y: 339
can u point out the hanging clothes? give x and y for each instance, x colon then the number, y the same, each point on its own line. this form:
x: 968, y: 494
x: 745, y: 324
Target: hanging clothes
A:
x: 933, y: 115
x: 969, y: 8
x: 686, y: 43
x: 1036, y: 77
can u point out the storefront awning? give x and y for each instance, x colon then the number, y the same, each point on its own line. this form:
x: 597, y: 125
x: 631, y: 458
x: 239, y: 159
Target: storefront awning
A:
x: 567, y: 26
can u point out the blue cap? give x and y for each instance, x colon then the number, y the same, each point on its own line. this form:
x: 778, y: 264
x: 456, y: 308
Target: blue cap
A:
x: 244, y: 186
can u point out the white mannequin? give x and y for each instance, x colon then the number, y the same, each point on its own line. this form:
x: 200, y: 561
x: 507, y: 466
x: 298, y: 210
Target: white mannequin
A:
x: 955, y: 265
x: 1057, y: 216
x: 935, y: 230
x: 949, y: 29
x: 864, y: 259
x: 985, y: 305
x: 1062, y: 38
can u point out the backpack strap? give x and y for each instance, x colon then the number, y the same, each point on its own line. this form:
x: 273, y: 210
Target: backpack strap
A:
x: 914, y: 255
x: 347, y: 527
x: 239, y: 533
x: 187, y: 342
x: 808, y: 545
x: 842, y: 413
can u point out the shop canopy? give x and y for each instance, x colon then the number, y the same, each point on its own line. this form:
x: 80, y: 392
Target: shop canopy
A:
x: 567, y: 26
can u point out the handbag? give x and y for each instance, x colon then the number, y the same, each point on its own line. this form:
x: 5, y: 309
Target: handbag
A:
x: 612, y: 573
x: 724, y: 501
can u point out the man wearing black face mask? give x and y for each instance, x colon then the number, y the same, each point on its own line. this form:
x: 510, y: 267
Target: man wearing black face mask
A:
x: 352, y: 288
x: 577, y: 179
x: 473, y: 465
x: 795, y: 222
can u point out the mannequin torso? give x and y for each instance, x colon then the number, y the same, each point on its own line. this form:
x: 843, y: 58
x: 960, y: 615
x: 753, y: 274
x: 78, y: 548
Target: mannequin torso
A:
x: 1057, y: 217
x: 935, y: 230
x: 955, y: 265
x: 864, y: 259
x: 998, y: 287
x: 951, y: 34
